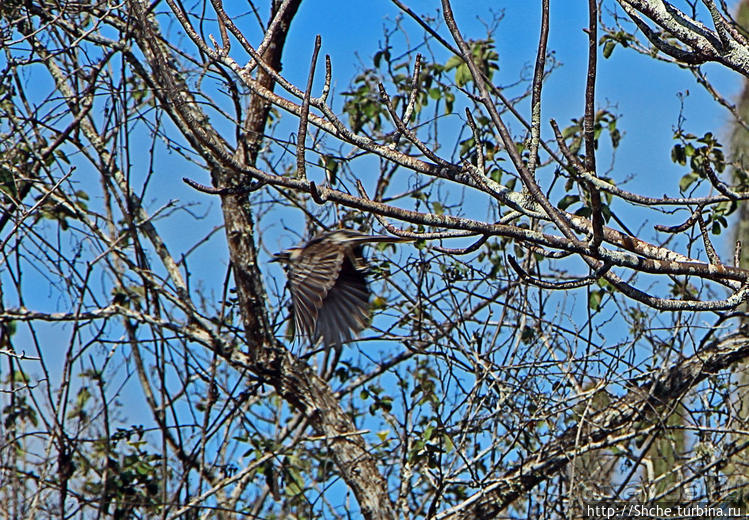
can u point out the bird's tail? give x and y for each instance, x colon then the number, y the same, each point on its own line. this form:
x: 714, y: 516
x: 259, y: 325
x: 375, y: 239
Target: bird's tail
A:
x: 352, y: 237
x: 382, y: 238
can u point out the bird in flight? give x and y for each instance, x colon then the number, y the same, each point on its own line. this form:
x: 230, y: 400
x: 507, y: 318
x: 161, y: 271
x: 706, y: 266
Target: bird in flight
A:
x: 328, y: 285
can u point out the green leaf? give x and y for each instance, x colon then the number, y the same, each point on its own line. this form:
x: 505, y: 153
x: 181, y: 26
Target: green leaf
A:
x: 608, y: 48
x: 567, y: 201
x: 448, y: 442
x: 616, y: 137
x: 527, y: 335
x: 462, y: 75
x: 449, y: 102
x: 7, y: 184
x: 585, y: 211
x: 10, y: 327
x: 61, y: 155
x: 687, y: 180
x: 678, y: 155
x: 379, y: 55
x: 571, y: 130
x: 453, y: 62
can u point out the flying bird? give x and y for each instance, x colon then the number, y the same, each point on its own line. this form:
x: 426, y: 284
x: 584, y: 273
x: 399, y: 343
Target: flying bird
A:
x: 328, y: 285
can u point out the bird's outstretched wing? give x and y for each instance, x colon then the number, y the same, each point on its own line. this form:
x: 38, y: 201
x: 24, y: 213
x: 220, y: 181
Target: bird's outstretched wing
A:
x: 329, y: 289
x: 345, y: 309
x: 310, y: 279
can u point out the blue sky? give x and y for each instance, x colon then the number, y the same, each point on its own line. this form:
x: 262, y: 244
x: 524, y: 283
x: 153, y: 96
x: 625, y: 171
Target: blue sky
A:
x: 642, y: 90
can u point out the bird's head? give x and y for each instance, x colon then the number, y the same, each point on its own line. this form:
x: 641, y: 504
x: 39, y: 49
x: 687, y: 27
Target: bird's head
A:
x: 287, y: 255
